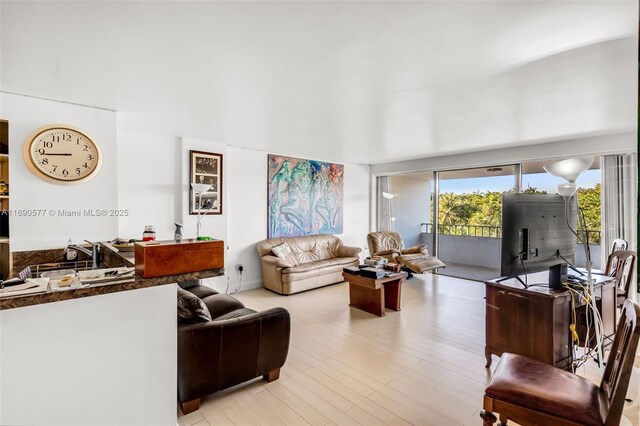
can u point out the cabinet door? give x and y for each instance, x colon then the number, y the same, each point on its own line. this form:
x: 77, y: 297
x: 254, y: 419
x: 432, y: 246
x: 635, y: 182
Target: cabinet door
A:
x: 508, y: 321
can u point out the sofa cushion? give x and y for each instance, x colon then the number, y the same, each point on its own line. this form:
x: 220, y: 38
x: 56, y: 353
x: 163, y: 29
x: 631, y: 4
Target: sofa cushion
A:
x: 191, y: 309
x: 319, y: 264
x: 221, y: 304
x: 308, y: 249
x: 284, y: 252
x: 318, y: 268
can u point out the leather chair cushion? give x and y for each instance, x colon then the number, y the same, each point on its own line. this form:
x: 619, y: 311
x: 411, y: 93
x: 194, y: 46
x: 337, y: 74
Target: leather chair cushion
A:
x: 191, y: 309
x: 221, y: 304
x: 541, y: 387
x: 236, y: 314
x: 202, y: 291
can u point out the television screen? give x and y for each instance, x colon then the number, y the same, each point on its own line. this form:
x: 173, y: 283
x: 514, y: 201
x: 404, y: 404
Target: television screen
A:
x: 534, y: 231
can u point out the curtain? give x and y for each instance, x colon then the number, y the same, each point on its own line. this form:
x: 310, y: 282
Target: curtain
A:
x: 619, y: 200
x: 384, y: 208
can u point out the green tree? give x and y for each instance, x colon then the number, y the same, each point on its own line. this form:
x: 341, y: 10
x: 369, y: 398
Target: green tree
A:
x: 589, y: 203
x: 459, y: 211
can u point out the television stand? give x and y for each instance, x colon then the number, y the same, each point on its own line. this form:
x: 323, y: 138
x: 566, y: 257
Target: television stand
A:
x: 534, y: 322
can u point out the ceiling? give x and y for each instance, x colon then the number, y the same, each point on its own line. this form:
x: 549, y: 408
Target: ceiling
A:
x: 364, y: 82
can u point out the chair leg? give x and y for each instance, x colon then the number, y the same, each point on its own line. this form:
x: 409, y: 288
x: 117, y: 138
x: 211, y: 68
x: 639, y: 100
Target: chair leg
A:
x: 503, y: 420
x: 488, y: 418
x: 272, y: 375
x: 190, y: 406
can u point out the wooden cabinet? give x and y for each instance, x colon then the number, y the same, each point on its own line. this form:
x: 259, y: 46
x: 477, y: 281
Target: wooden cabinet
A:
x: 534, y: 322
x: 5, y: 250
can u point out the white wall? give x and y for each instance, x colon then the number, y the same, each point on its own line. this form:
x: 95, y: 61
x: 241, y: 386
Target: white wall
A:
x: 153, y: 186
x: 157, y: 194
x: 149, y: 183
x: 246, y: 179
x: 102, y: 360
x: 26, y: 114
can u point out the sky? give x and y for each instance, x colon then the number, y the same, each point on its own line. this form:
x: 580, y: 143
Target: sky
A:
x: 542, y: 181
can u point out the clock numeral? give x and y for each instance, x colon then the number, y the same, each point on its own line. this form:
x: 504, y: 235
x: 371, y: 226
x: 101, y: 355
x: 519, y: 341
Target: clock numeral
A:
x: 54, y: 167
x: 41, y: 151
x: 65, y: 172
x: 48, y: 144
x: 86, y: 148
x: 78, y: 170
x: 45, y: 161
x: 55, y: 138
x: 90, y: 157
x: 85, y: 165
x: 66, y: 137
x: 78, y: 141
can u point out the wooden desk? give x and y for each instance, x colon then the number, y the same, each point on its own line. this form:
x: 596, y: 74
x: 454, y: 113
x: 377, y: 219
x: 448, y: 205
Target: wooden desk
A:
x: 373, y: 296
x: 534, y: 322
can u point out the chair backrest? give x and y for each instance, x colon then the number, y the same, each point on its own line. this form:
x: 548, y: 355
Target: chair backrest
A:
x: 384, y: 240
x: 307, y: 248
x: 619, y: 244
x: 621, y: 265
x: 615, y: 380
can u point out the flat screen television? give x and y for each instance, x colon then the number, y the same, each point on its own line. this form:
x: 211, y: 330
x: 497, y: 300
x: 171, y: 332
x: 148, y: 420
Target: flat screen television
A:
x: 534, y: 231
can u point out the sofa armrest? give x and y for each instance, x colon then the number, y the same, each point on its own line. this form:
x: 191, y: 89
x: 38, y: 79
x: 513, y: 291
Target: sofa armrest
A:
x: 275, y: 261
x: 347, y: 251
x: 419, y: 249
x: 217, y: 354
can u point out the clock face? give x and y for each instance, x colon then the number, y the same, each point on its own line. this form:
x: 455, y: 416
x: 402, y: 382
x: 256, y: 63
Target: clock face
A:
x: 62, y: 154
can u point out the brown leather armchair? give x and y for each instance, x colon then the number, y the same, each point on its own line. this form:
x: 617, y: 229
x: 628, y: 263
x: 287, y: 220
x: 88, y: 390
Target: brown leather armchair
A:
x: 236, y: 345
x: 389, y: 245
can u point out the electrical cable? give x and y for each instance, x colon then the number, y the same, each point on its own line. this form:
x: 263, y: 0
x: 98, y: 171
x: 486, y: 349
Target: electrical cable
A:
x: 239, y: 283
x: 589, y: 290
x: 524, y: 268
x: 569, y: 263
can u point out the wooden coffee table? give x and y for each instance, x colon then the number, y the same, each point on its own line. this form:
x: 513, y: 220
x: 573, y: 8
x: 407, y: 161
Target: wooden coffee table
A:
x: 371, y: 295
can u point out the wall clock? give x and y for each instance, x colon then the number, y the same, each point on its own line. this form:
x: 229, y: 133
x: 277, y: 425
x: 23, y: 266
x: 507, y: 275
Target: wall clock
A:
x: 62, y: 154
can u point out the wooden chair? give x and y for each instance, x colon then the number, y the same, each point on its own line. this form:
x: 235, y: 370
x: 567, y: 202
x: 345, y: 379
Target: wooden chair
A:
x: 621, y: 265
x: 619, y: 244
x: 530, y: 392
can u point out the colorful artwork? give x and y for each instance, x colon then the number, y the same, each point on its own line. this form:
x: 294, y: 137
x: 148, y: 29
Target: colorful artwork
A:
x: 305, y: 197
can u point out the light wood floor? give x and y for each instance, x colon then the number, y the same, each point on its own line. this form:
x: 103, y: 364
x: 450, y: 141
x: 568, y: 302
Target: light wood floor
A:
x: 423, y: 365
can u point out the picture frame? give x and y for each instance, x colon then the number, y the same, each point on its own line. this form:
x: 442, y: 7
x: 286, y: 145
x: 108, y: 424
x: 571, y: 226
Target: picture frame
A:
x: 205, y: 167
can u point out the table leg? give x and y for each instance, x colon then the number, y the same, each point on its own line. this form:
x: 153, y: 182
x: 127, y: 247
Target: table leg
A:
x: 368, y: 300
x: 392, y: 292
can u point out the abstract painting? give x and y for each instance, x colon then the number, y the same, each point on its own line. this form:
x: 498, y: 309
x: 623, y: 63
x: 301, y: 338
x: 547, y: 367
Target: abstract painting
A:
x: 305, y: 197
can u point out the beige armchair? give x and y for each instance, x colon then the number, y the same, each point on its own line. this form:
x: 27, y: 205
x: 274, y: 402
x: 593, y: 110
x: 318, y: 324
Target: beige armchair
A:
x: 389, y: 245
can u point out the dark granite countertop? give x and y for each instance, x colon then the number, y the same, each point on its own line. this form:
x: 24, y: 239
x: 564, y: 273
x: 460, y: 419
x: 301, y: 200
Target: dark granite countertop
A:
x: 112, y: 259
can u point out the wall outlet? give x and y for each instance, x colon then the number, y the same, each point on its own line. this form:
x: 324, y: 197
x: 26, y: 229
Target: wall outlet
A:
x: 239, y: 267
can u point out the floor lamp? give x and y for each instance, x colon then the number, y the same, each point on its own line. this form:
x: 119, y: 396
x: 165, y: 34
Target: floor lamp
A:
x: 569, y: 170
x: 389, y: 196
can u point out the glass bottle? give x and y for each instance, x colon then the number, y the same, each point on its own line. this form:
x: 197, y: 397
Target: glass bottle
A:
x: 149, y: 233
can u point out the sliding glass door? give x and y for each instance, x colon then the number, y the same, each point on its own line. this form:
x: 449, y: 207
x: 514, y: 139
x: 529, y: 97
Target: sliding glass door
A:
x: 469, y: 219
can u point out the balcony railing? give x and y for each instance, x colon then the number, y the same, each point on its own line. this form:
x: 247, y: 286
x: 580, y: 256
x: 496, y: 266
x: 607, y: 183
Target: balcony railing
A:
x: 486, y: 231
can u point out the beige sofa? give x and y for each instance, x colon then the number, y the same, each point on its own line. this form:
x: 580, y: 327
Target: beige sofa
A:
x: 321, y: 259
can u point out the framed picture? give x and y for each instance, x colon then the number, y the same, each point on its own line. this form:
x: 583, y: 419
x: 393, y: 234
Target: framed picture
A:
x: 205, y: 168
x: 305, y: 197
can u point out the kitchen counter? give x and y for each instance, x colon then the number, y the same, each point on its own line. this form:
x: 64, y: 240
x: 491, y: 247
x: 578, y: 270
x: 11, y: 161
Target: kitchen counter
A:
x: 111, y: 258
x: 122, y: 336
